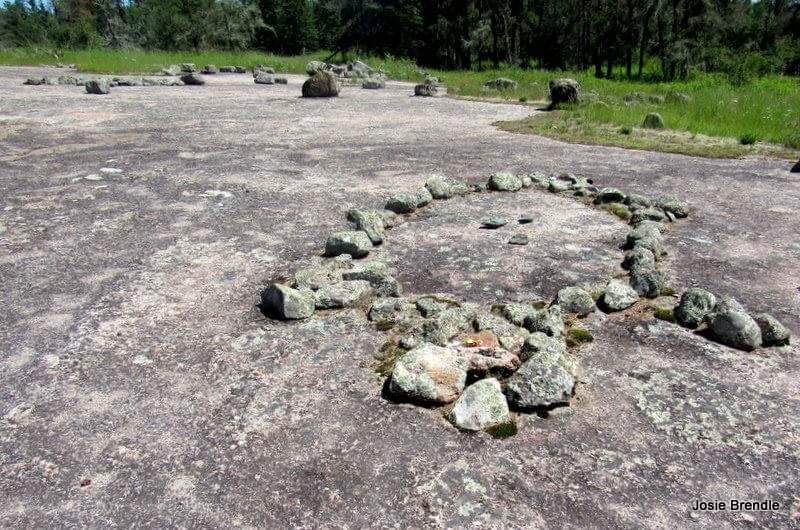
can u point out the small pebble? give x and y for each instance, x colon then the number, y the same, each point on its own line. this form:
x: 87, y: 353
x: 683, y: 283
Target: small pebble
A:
x: 518, y: 239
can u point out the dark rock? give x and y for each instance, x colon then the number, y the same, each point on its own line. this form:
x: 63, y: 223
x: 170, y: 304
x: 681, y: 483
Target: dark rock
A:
x: 796, y: 168
x: 402, y: 203
x: 322, y: 84
x: 355, y: 243
x: 693, y: 307
x: 193, y: 79
x: 373, y: 83
x: 648, y: 281
x: 426, y: 90
x: 564, y: 91
x: 606, y: 195
x: 97, y: 86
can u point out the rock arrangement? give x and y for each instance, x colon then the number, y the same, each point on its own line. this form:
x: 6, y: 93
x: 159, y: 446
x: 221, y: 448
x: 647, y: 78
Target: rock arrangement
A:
x: 483, y: 363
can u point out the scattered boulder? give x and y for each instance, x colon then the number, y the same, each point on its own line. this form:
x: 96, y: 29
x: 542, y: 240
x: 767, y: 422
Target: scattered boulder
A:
x: 355, y: 243
x: 575, y: 300
x: 429, y: 374
x: 262, y: 68
x: 321, y: 274
x: 370, y: 222
x: 263, y: 78
x: 547, y: 378
x: 388, y: 309
x: 504, y: 181
x: 653, y: 120
x: 732, y: 326
x: 210, y: 69
x: 193, y: 79
x: 488, y: 360
x: 430, y: 305
x: 426, y: 90
x: 501, y: 83
x: 647, y: 214
x: 518, y: 239
x: 349, y: 293
x: 494, y: 222
x: 240, y: 69
x: 619, y: 295
x: 481, y: 406
x: 402, y: 203
x: 97, y: 86
x: 564, y: 91
x: 315, y: 66
x: 373, y: 83
x: 285, y: 303
x: 773, y: 333
x: 547, y: 321
x: 694, y: 306
x: 322, y: 84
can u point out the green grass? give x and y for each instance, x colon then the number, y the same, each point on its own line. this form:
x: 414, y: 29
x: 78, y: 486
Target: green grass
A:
x: 719, y: 119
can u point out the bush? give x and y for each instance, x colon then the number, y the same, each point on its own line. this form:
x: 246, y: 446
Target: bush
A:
x: 747, y: 139
x: 625, y: 130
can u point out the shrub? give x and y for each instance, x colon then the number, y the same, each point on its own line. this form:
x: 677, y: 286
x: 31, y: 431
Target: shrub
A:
x: 625, y: 130
x: 747, y: 139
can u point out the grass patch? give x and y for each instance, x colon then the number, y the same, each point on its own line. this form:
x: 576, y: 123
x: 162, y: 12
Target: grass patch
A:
x: 578, y: 336
x: 620, y: 210
x: 504, y: 430
x: 664, y: 313
x: 748, y: 139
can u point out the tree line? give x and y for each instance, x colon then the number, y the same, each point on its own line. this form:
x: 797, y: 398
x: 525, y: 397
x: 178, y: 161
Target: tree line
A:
x: 633, y: 38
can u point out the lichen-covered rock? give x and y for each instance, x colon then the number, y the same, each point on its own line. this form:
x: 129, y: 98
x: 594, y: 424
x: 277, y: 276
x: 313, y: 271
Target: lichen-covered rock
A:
x: 517, y: 313
x: 773, y: 333
x: 637, y: 202
x: 378, y: 274
x: 676, y: 207
x: 283, y: 302
x: 402, y: 203
x: 447, y: 324
x: 647, y: 281
x: 653, y: 120
x: 734, y: 328
x: 564, y: 91
x: 481, y: 406
x: 173, y: 69
x: 494, y: 222
x: 639, y: 257
x: 388, y: 309
x: 370, y: 222
x: 538, y: 343
x: 355, y: 243
x: 430, y: 305
x: 547, y: 378
x: 429, y: 374
x: 426, y: 90
x: 619, y: 295
x: 693, y: 307
x: 575, y: 300
x: 264, y: 78
x: 501, y: 83
x: 443, y: 188
x: 97, y: 86
x: 320, y: 274
x: 504, y: 181
x: 548, y: 321
x: 322, y: 84
x: 312, y: 67
x: 343, y: 294
x: 646, y: 237
x: 188, y: 68
x: 558, y: 186
x: 606, y: 195
x: 423, y: 196
x: 193, y: 79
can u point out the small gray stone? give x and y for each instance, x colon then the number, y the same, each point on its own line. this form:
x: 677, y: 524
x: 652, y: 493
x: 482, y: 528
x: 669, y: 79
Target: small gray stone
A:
x: 355, y: 243
x: 773, y: 333
x: 575, y: 300
x: 518, y: 239
x: 263, y: 78
x: 547, y: 378
x: 619, y: 295
x: 402, y: 203
x: 494, y: 222
x: 525, y: 219
x: 343, y: 294
x: 547, y: 321
x: 322, y: 84
x: 188, y: 68
x: 97, y: 86
x: 429, y: 374
x: 481, y: 406
x: 693, y: 307
x: 210, y: 69
x: 286, y: 303
x: 426, y: 90
x: 443, y: 188
x: 504, y: 181
x: 325, y: 273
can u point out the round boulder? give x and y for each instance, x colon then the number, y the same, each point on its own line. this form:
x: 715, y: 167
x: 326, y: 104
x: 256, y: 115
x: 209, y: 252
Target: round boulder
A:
x: 373, y: 83
x: 481, y: 406
x: 693, y: 307
x: 619, y: 295
x: 315, y: 66
x: 505, y: 181
x: 575, y: 300
x: 322, y: 84
x: 193, y: 79
x: 564, y: 91
x: 547, y: 378
x: 735, y: 328
x: 773, y: 333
